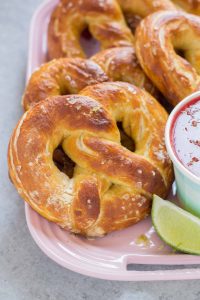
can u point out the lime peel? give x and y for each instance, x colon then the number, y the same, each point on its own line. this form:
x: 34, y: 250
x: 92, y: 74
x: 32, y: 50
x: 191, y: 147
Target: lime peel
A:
x: 176, y: 227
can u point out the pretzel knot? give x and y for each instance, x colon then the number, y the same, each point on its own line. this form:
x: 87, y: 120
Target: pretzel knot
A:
x: 111, y: 187
x: 168, y: 49
x: 146, y: 7
x: 191, y: 6
x: 70, y: 75
x: 135, y: 10
x: 69, y: 19
x: 61, y: 76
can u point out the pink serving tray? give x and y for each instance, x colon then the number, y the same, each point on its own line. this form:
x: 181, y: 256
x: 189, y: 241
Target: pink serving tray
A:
x: 119, y: 255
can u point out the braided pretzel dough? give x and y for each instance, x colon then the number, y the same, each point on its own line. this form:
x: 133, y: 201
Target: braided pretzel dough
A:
x: 157, y: 37
x: 191, y: 6
x: 111, y: 187
x: 121, y: 64
x: 145, y: 7
x: 61, y: 76
x: 135, y: 10
x: 70, y: 75
x: 103, y: 17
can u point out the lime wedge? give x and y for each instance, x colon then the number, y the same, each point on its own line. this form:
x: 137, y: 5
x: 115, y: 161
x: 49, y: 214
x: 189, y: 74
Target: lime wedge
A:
x: 176, y: 227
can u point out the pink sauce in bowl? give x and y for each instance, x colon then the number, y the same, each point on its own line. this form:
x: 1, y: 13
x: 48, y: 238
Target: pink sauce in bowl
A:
x: 185, y: 136
x: 182, y: 138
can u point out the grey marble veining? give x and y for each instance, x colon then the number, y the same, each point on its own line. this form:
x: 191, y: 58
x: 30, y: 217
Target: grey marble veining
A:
x: 25, y: 272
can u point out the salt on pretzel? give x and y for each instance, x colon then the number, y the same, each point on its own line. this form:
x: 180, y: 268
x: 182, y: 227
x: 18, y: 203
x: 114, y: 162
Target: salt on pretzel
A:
x: 70, y: 17
x: 111, y: 187
x: 121, y: 64
x: 160, y: 38
x: 70, y: 75
x: 59, y: 77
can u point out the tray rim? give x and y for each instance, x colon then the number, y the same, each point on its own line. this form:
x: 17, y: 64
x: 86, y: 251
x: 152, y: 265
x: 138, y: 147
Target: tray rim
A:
x: 176, y: 274
x: 124, y: 275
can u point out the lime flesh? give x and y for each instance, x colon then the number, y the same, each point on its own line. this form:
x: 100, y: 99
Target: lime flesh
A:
x: 176, y: 227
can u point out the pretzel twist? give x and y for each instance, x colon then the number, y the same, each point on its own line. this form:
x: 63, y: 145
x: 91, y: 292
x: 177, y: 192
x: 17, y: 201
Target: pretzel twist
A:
x: 70, y: 75
x: 111, y: 187
x: 159, y: 39
x: 135, y: 10
x: 68, y: 20
x: 121, y: 64
x: 61, y: 76
x: 145, y: 8
x: 191, y: 6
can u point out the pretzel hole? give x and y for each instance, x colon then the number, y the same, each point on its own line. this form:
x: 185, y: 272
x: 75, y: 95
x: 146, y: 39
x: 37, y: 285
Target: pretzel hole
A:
x: 63, y: 162
x: 180, y: 52
x: 126, y: 140
x: 132, y: 21
x: 63, y: 90
x: 88, y: 43
x: 163, y: 101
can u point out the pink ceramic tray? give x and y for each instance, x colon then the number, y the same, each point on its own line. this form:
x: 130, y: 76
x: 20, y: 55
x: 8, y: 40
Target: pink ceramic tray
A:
x: 120, y: 255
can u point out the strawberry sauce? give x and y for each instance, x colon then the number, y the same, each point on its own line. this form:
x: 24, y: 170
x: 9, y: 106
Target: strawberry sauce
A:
x: 185, y: 136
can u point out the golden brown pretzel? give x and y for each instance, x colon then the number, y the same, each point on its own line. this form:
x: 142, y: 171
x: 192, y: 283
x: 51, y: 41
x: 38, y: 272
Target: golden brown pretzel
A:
x: 70, y: 75
x: 191, y: 6
x: 111, y: 187
x: 121, y: 64
x: 145, y: 7
x: 68, y: 20
x: 158, y: 37
x: 61, y: 76
x: 135, y: 10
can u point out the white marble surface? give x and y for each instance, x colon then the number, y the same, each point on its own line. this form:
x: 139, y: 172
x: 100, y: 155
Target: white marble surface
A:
x: 25, y: 272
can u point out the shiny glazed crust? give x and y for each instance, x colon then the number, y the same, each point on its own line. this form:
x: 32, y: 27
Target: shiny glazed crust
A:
x: 70, y: 75
x: 135, y: 10
x: 61, y: 76
x: 145, y: 7
x: 121, y: 64
x: 157, y: 38
x: 68, y: 20
x: 191, y: 6
x: 111, y: 187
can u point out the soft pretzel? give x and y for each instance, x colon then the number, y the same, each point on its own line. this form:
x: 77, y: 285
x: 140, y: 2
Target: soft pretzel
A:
x: 121, y: 64
x: 111, y: 187
x: 191, y: 6
x: 145, y: 7
x: 70, y: 75
x: 135, y: 10
x: 159, y: 38
x: 68, y: 20
x: 61, y: 76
